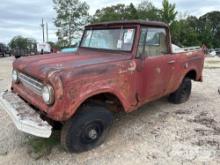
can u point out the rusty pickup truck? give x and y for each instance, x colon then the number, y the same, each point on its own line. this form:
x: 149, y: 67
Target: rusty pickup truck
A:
x: 119, y: 66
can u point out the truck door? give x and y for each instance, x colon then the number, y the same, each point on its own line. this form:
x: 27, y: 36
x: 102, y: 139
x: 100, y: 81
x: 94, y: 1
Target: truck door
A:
x: 157, y: 65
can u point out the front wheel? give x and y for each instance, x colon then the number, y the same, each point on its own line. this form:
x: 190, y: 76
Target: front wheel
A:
x: 87, y: 129
x: 182, y: 94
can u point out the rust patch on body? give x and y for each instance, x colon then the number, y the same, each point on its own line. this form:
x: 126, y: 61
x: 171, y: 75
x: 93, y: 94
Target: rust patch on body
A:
x: 76, y: 77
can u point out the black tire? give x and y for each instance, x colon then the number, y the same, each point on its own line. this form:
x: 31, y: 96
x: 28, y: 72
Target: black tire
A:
x: 17, y: 56
x: 87, y: 129
x: 183, y: 93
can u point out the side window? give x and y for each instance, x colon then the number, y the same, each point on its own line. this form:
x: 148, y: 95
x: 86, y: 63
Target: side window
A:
x: 141, y: 44
x: 153, y: 42
x: 156, y: 42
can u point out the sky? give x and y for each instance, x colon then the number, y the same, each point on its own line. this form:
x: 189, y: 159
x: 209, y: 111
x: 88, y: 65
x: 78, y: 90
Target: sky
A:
x: 23, y: 17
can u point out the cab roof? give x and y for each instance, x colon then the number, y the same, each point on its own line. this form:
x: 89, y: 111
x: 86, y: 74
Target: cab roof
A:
x: 130, y: 22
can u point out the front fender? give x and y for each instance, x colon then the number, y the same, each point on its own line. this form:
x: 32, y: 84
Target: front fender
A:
x: 79, y: 97
x: 79, y: 85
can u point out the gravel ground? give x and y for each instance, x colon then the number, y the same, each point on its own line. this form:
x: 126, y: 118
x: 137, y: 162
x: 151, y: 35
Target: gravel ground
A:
x: 158, y: 133
x: 212, y: 62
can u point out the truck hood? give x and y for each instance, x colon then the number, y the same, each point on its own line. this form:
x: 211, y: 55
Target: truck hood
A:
x: 41, y: 65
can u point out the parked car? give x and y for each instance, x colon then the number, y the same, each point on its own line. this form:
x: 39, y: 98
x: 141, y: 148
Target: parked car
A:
x: 4, y: 50
x: 212, y: 52
x: 68, y: 50
x: 119, y: 66
x: 217, y: 50
x: 71, y: 49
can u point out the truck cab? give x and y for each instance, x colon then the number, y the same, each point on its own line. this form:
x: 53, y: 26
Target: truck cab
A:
x: 119, y: 66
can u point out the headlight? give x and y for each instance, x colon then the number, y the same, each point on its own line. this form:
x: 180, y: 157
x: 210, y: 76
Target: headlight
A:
x: 15, y: 76
x: 48, y: 94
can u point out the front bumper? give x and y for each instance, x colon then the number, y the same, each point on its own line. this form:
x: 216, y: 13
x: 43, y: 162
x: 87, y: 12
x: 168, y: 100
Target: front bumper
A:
x: 25, y: 118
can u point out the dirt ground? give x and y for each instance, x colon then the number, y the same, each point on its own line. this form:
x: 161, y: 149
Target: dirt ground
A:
x: 212, y: 62
x: 158, y: 133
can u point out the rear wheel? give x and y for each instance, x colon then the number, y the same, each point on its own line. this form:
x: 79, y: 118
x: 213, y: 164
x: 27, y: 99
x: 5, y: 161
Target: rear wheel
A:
x: 87, y: 129
x: 182, y: 94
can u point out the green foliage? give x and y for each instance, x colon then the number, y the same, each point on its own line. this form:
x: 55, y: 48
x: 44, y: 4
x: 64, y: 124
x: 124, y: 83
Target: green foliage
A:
x: 197, y: 31
x: 147, y: 11
x: 40, y: 147
x: 62, y: 43
x: 19, y: 42
x: 185, y: 32
x: 72, y: 15
x: 210, y: 27
x: 116, y: 13
x: 59, y: 44
x: 191, y: 31
x: 52, y: 44
x: 168, y: 13
x: 131, y: 12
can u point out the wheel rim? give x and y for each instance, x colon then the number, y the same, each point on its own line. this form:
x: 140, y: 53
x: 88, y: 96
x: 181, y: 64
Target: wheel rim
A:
x: 91, y: 132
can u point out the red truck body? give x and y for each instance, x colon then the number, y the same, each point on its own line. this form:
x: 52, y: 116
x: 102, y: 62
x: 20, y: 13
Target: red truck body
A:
x: 118, y: 66
x: 95, y: 73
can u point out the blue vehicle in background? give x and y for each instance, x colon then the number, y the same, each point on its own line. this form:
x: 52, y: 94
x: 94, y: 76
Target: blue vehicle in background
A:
x: 69, y: 50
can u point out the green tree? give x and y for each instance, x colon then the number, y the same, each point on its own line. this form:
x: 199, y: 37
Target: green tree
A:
x: 19, y: 42
x: 147, y: 11
x: 115, y: 13
x: 131, y: 12
x: 72, y: 15
x: 185, y: 32
x: 168, y: 12
x: 210, y: 29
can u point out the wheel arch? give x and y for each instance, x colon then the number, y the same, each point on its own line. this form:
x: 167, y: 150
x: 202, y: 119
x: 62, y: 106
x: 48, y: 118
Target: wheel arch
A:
x: 104, y: 96
x: 191, y: 74
x: 99, y: 97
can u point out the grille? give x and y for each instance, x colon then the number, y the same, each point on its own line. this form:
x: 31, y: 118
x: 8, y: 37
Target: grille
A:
x: 31, y: 83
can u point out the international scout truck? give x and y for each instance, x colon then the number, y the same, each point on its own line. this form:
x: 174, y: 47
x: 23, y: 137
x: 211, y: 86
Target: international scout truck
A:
x: 119, y: 66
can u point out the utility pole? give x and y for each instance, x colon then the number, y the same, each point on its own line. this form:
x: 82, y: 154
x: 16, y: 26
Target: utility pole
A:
x: 47, y: 32
x: 42, y: 26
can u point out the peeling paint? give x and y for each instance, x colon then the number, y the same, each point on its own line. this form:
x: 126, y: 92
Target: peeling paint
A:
x: 77, y: 77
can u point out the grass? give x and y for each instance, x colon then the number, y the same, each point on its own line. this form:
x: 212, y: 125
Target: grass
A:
x: 40, y: 147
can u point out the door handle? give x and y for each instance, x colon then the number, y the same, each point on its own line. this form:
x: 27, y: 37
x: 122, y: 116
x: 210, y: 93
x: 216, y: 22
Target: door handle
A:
x: 171, y: 62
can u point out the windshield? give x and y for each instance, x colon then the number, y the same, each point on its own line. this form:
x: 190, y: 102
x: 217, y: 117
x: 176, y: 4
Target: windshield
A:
x: 109, y: 39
